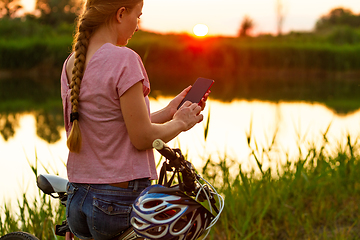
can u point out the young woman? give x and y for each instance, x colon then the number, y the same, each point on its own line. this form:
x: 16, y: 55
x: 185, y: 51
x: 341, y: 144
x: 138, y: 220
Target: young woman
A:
x: 108, y: 122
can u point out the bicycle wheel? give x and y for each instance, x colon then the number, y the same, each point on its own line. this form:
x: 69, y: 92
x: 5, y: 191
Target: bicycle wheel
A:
x: 18, y: 236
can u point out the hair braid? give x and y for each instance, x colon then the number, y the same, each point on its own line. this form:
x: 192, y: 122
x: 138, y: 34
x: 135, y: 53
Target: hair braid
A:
x: 96, y: 13
x: 80, y: 48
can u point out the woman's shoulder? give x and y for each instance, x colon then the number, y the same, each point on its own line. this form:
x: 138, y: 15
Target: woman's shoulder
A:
x: 122, y: 51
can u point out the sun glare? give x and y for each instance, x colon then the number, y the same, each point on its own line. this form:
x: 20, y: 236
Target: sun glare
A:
x: 28, y: 5
x: 200, y: 30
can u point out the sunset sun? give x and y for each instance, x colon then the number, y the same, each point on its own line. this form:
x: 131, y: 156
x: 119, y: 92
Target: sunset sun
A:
x: 200, y: 30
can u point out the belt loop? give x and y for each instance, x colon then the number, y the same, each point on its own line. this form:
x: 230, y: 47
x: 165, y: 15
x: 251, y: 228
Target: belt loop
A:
x: 136, y: 185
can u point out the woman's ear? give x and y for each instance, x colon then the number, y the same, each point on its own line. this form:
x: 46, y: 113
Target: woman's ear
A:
x: 120, y: 14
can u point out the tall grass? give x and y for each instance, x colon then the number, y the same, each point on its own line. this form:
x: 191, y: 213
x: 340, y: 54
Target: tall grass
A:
x: 184, y: 52
x: 37, y: 216
x: 315, y: 196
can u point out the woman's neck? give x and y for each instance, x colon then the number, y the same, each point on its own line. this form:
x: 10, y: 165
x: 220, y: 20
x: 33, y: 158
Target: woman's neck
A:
x: 103, y: 35
x: 100, y: 37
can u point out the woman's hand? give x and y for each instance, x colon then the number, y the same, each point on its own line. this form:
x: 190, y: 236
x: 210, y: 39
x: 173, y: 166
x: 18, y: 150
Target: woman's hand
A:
x: 173, y: 104
x: 189, y: 114
x: 167, y: 113
x: 177, y: 100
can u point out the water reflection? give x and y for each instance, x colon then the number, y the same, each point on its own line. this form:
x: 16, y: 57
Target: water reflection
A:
x: 275, y: 131
x: 8, y: 123
x: 48, y: 125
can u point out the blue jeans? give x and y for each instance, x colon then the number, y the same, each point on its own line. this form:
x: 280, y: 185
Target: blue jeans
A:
x: 101, y: 211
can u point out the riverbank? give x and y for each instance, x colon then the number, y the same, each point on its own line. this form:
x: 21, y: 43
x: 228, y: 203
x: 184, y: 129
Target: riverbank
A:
x: 210, y: 54
x: 336, y: 89
x: 288, y: 68
x: 315, y: 197
x: 312, y: 196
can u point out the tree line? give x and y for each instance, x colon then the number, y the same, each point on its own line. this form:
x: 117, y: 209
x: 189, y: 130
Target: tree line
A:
x: 57, y: 12
x: 335, y: 19
x: 47, y: 12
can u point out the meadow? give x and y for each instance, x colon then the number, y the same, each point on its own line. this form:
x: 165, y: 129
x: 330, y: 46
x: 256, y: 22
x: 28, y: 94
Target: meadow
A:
x: 314, y: 196
x: 294, y: 67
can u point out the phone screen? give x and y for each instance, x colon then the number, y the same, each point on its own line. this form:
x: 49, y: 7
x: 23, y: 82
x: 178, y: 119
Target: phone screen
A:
x: 197, y: 91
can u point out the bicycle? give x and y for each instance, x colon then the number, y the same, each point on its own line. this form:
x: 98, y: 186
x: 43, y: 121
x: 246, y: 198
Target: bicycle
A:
x: 189, y: 183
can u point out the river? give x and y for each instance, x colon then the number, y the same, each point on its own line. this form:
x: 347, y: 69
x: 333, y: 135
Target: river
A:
x: 286, y: 127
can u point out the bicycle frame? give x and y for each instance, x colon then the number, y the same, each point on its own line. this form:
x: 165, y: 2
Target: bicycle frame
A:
x: 189, y: 184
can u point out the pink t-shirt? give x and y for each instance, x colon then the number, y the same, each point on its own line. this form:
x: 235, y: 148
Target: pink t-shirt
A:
x: 107, y: 154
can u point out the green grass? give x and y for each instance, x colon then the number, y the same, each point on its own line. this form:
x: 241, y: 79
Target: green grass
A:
x: 294, y: 67
x: 37, y: 216
x: 257, y: 52
x: 343, y: 105
x: 315, y: 196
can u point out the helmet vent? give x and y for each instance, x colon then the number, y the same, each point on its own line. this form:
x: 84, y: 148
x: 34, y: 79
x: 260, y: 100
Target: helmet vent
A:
x: 167, y: 214
x: 152, y: 203
x: 155, y: 231
x: 137, y: 223
x: 193, y: 230
x: 182, y: 222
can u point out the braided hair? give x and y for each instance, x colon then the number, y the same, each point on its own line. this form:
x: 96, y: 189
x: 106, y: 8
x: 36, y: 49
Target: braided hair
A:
x: 96, y: 13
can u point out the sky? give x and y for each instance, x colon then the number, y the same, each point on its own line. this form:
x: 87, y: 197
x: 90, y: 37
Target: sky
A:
x: 223, y: 17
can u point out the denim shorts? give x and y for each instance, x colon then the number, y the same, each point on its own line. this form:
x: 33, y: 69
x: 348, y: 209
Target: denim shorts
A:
x: 101, y: 211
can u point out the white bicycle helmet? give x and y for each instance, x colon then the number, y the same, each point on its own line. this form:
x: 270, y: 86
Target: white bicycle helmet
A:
x: 164, y: 213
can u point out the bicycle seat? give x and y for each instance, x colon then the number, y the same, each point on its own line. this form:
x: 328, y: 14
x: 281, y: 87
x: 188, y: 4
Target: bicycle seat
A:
x: 51, y: 184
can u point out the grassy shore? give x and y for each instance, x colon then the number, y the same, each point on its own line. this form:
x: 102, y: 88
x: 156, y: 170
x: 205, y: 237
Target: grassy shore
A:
x: 287, y: 68
x: 315, y: 196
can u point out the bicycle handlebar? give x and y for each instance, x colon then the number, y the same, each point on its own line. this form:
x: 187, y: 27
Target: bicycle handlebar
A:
x: 178, y: 161
x: 189, y: 176
x: 165, y: 150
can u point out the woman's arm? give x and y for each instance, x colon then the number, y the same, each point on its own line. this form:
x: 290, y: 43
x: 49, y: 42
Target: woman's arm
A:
x: 143, y: 131
x: 166, y: 114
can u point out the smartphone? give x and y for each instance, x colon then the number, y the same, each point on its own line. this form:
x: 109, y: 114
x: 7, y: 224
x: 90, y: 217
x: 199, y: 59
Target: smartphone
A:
x: 197, y: 91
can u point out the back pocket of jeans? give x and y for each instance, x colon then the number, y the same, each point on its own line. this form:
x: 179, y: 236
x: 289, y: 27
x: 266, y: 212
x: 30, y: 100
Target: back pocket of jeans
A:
x: 110, y: 218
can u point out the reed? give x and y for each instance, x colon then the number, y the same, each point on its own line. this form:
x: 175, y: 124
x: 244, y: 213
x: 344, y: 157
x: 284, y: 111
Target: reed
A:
x: 314, y: 196
x: 209, y: 54
x: 37, y: 216
x: 290, y: 68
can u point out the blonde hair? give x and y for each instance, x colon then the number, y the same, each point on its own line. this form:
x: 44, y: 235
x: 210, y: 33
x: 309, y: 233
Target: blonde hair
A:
x: 96, y: 13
